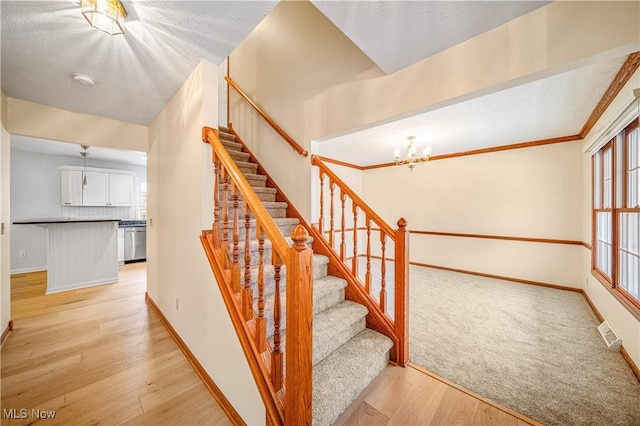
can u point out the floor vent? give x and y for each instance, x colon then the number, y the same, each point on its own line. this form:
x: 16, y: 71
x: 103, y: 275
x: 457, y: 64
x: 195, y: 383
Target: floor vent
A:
x: 610, y: 337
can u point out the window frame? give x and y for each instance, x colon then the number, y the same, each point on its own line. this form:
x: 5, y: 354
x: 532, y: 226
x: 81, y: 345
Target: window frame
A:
x: 617, y: 209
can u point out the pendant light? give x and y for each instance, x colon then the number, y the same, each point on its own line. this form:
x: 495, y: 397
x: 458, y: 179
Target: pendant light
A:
x: 84, y: 154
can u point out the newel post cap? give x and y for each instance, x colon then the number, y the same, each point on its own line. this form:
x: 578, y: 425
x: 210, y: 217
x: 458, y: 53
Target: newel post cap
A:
x: 299, y: 237
x: 402, y: 223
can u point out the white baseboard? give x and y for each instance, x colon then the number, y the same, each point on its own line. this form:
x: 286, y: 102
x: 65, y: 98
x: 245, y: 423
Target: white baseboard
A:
x: 27, y: 270
x: 105, y: 281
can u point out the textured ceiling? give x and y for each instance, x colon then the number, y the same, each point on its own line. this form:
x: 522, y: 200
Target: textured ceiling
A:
x: 396, y: 34
x: 553, y: 107
x: 44, y: 42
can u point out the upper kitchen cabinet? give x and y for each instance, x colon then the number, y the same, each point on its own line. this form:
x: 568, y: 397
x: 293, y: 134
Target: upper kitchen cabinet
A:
x: 71, y: 184
x: 120, y: 189
x: 105, y: 187
x: 97, y: 191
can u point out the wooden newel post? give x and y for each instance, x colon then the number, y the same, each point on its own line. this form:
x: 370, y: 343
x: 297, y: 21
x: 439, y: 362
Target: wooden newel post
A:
x: 299, y: 358
x: 401, y: 284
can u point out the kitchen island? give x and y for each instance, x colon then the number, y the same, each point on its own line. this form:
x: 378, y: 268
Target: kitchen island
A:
x: 81, y: 252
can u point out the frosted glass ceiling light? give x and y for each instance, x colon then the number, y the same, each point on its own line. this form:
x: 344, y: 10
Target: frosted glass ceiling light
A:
x: 411, y: 159
x: 105, y: 15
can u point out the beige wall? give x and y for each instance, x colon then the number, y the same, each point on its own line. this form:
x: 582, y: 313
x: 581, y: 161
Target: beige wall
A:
x: 316, y: 84
x: 5, y: 239
x: 45, y: 122
x: 625, y: 324
x: 180, y: 206
x: 531, y: 192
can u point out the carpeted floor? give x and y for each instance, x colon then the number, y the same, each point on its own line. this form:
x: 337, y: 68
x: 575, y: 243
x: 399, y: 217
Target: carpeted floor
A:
x: 533, y: 349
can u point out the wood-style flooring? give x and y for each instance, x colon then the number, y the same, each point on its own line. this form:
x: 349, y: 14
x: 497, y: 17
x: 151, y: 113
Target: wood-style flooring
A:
x: 97, y: 356
x: 100, y: 356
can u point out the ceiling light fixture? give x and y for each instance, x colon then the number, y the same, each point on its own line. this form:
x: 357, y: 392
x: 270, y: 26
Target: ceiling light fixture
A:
x: 84, y: 154
x: 411, y: 159
x: 105, y: 15
x: 85, y: 80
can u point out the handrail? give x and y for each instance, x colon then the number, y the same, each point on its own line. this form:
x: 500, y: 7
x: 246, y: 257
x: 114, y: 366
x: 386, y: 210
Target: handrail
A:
x: 396, y: 327
x: 315, y: 161
x: 279, y: 243
x: 287, y: 395
x: 296, y: 147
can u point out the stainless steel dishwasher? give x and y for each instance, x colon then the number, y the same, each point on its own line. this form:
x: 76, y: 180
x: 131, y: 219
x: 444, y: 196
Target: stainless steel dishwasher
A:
x: 135, y: 242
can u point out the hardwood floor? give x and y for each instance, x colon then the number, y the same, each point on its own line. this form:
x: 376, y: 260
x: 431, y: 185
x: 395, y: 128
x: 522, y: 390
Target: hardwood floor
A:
x: 101, y: 356
x: 97, y: 356
x: 407, y: 396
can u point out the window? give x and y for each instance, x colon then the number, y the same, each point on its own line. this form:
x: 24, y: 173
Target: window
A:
x: 143, y: 200
x: 616, y: 213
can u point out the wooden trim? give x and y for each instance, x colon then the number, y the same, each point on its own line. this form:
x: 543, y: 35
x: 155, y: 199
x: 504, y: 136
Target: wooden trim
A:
x: 258, y: 370
x: 633, y: 310
x: 489, y: 150
x: 5, y: 333
x: 623, y: 351
x: 593, y: 307
x: 624, y: 74
x: 499, y: 237
x: 586, y: 245
x: 297, y: 148
x: 340, y: 163
x: 499, y: 277
x: 208, y: 382
x: 627, y: 357
x: 475, y: 395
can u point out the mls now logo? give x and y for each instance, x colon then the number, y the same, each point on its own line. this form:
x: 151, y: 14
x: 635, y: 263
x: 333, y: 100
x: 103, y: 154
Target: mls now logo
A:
x: 23, y: 413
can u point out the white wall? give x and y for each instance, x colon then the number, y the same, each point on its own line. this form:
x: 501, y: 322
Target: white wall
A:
x: 35, y: 193
x: 180, y: 204
x: 532, y: 192
x: 5, y: 213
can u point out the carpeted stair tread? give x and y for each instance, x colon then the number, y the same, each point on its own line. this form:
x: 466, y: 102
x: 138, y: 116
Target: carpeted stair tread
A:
x: 327, y: 291
x: 231, y: 146
x: 225, y: 134
x: 239, y: 155
x: 254, y: 176
x: 342, y: 376
x: 335, y: 326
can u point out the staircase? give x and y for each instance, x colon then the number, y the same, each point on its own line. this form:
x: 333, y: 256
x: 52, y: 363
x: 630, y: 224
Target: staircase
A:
x: 347, y: 356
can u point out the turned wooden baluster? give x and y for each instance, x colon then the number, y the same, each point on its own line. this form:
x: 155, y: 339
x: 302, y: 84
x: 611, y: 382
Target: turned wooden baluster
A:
x: 343, y: 245
x: 383, y: 271
x: 261, y: 321
x: 354, y: 261
x: 367, y: 275
x: 247, y: 293
x: 321, y: 220
x: 331, y: 188
x: 216, y: 201
x: 235, y: 267
x: 276, y: 355
x: 225, y: 206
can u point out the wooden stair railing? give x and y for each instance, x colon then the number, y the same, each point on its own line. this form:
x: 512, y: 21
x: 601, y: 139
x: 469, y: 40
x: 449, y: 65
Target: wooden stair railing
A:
x: 396, y: 327
x: 367, y: 286
x: 287, y: 395
x: 296, y: 147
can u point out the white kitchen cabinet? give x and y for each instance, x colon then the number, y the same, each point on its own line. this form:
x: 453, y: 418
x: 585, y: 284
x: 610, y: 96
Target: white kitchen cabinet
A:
x: 120, y: 189
x: 97, y: 192
x: 105, y: 187
x: 71, y: 187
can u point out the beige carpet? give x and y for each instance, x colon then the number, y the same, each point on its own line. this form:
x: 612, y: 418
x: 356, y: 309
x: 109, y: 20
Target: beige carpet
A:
x: 533, y: 349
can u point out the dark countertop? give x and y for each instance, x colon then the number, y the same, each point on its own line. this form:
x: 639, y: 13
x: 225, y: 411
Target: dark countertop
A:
x: 52, y: 220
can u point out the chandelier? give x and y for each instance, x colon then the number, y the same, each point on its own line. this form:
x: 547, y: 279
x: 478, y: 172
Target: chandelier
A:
x: 105, y: 15
x: 411, y: 159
